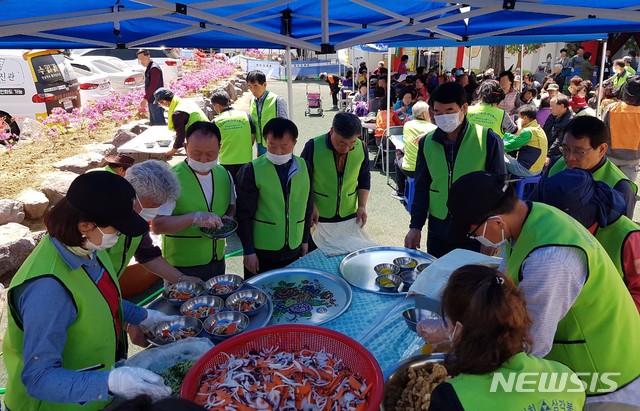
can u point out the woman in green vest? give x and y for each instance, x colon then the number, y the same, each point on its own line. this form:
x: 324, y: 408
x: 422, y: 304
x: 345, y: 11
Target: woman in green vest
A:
x: 487, y: 113
x: 488, y: 327
x: 583, y: 315
x: 274, y: 202
x: 600, y: 209
x: 66, y: 317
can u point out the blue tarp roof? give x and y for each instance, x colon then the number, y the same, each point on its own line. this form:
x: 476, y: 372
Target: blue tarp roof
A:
x: 250, y: 23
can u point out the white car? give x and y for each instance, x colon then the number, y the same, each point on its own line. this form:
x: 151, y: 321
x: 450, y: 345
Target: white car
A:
x: 94, y: 87
x: 123, y: 79
x: 167, y: 58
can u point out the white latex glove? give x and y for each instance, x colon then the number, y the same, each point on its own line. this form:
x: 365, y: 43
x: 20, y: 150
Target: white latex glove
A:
x: 208, y: 220
x: 433, y: 331
x: 154, y: 317
x: 130, y: 382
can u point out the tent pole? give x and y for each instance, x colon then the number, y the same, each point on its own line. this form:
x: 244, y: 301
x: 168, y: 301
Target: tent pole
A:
x: 289, y: 83
x: 469, y: 65
x: 389, y: 111
x: 428, y: 60
x: 601, y: 77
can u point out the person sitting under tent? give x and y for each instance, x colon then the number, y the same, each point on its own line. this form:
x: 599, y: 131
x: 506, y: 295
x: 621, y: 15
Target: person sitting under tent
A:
x: 530, y: 143
x: 487, y: 114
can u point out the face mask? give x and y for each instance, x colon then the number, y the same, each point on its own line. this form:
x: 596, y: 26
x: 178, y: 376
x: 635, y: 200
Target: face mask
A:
x: 488, y: 243
x: 448, y: 122
x: 201, y: 167
x: 147, y: 213
x: 279, y: 160
x: 108, y: 241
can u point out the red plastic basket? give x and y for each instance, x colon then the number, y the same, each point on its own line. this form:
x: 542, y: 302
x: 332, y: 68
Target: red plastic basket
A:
x: 293, y: 337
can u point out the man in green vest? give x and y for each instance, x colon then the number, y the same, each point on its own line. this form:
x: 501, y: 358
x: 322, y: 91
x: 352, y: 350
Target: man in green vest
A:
x: 206, y: 196
x: 339, y: 166
x: 237, y: 131
x: 583, y: 315
x: 454, y: 149
x: 600, y: 209
x: 182, y: 114
x: 487, y: 113
x: 528, y: 144
x: 117, y: 164
x: 584, y: 146
x: 274, y: 202
x: 265, y: 106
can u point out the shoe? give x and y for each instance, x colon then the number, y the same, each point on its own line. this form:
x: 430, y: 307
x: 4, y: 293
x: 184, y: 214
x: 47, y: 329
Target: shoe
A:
x: 397, y: 196
x: 335, y: 107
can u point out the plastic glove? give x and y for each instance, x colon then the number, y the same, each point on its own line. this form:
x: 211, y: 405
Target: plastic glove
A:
x: 154, y: 317
x: 434, y: 332
x: 207, y: 220
x: 130, y: 382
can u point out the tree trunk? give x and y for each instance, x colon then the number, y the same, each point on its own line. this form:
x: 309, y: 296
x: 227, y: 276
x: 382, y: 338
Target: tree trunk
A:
x: 496, y: 58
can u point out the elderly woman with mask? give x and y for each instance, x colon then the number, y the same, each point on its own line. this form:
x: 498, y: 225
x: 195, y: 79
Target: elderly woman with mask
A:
x: 65, y: 324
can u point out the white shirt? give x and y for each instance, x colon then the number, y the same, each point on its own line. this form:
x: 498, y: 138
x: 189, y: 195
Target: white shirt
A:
x: 206, y: 182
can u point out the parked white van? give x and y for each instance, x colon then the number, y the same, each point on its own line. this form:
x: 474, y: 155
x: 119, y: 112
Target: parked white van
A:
x: 32, y: 83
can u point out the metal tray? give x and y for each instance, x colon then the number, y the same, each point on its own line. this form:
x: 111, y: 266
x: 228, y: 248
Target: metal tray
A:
x: 257, y: 321
x: 304, y: 296
x: 357, y: 267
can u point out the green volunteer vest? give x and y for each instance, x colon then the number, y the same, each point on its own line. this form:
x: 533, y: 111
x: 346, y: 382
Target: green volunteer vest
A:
x: 269, y: 110
x: 279, y: 221
x: 488, y: 116
x: 412, y: 132
x: 613, y: 237
x: 601, y: 331
x: 471, y: 157
x: 187, y: 106
x: 539, y: 141
x: 121, y: 253
x: 474, y: 391
x: 609, y: 173
x: 91, y: 339
x: 335, y: 196
x: 105, y: 168
x: 189, y: 247
x: 236, y: 137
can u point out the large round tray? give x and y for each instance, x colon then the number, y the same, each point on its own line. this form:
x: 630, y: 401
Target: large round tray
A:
x: 257, y: 321
x: 304, y: 296
x: 357, y: 267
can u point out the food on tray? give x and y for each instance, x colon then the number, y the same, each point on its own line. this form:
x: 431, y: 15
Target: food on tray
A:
x: 385, y: 282
x: 246, y: 304
x: 178, y: 334
x: 227, y: 226
x: 275, y: 379
x: 174, y: 375
x: 200, y: 311
x: 227, y: 327
x: 224, y: 287
x: 181, y: 295
x: 386, y: 271
x: 422, y: 381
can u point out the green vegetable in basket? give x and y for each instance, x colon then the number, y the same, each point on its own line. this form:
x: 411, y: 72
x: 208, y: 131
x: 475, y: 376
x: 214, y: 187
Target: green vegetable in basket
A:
x: 227, y: 225
x: 174, y: 375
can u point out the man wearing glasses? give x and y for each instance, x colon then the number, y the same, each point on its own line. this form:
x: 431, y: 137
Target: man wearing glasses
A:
x: 584, y: 147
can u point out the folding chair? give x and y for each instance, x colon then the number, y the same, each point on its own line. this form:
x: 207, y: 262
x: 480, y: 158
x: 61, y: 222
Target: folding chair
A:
x: 383, y: 153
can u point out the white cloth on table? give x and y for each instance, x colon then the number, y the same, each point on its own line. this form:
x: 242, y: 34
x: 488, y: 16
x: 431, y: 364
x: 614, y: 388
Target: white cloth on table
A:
x: 341, y: 238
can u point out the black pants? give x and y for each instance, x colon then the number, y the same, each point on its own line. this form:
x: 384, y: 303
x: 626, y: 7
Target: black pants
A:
x: 233, y: 169
x: 401, y: 177
x: 268, y: 264
x: 206, y: 271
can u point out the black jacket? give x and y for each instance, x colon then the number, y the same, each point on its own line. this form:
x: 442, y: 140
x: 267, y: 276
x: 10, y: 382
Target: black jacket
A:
x: 554, y: 129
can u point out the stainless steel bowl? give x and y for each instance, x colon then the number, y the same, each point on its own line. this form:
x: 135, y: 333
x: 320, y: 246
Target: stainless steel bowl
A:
x: 406, y: 263
x: 386, y: 269
x: 163, y: 143
x: 170, y: 331
x: 388, y: 288
x: 408, y: 277
x: 149, y: 144
x: 413, y: 316
x: 179, y: 293
x: 399, y: 378
x: 226, y: 318
x: 236, y: 299
x: 206, y: 304
x: 420, y: 268
x: 234, y: 282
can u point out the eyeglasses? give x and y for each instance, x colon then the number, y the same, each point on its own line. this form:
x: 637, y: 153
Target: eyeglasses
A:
x: 473, y: 234
x: 575, y: 151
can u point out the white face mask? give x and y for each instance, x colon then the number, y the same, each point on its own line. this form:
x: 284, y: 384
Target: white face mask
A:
x: 279, y: 160
x: 448, y: 122
x: 147, y: 213
x: 108, y: 241
x: 201, y: 167
x: 488, y: 243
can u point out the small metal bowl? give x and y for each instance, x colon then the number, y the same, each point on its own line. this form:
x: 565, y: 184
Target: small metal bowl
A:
x: 168, y: 331
x: 386, y: 269
x: 408, y: 277
x: 208, y: 305
x: 413, y: 316
x: 420, y: 268
x: 149, y: 144
x: 236, y: 299
x: 163, y: 143
x: 226, y: 318
x: 382, y: 279
x: 406, y: 263
x: 186, y: 289
x: 214, y: 284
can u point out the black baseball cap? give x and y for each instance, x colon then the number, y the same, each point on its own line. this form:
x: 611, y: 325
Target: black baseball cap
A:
x: 162, y: 94
x: 108, y: 198
x: 471, y: 199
